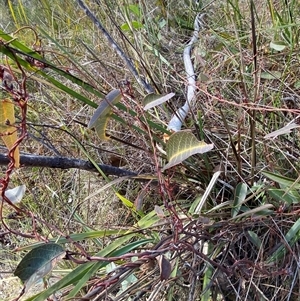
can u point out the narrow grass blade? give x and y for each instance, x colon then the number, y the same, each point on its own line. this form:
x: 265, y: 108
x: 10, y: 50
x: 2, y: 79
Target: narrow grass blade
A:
x: 239, y: 198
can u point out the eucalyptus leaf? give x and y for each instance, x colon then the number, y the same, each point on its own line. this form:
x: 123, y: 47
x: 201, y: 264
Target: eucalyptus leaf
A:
x: 38, y: 263
x: 284, y: 130
x: 100, y: 118
x: 183, y: 144
x: 153, y: 100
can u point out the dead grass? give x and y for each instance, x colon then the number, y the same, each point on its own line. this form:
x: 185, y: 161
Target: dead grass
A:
x: 245, y: 263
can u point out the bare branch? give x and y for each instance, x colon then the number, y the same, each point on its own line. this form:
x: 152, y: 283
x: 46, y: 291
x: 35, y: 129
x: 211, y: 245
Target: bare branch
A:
x: 66, y: 163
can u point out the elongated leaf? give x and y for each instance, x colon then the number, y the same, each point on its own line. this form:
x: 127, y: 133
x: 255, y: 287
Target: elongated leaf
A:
x: 37, y: 263
x: 100, y: 118
x: 206, y: 296
x: 239, y: 197
x: 79, y: 237
x: 8, y: 132
x: 20, y: 49
x: 82, y: 273
x: 291, y: 238
x: 278, y: 46
x: 290, y: 197
x: 271, y: 75
x: 262, y: 210
x: 283, y: 181
x: 254, y: 238
x: 182, y: 145
x: 98, y: 265
x: 153, y: 100
x: 285, y: 130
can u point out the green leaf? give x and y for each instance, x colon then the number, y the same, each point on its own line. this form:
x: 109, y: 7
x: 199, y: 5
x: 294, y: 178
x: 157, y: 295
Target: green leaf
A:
x: 283, y: 181
x: 278, y: 46
x: 135, y: 9
x: 100, y: 118
x: 182, y: 145
x: 82, y: 273
x: 79, y: 237
x: 262, y: 210
x: 15, y: 48
x: 239, y: 198
x: 131, y: 246
x: 208, y: 274
x: 133, y: 24
x: 152, y: 100
x: 253, y: 237
x: 297, y: 84
x: 38, y: 262
x: 290, y: 197
x: 271, y: 75
x: 290, y: 238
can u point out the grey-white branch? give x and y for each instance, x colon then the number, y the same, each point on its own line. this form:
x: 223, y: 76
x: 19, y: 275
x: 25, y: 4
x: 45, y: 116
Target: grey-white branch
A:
x: 175, y: 123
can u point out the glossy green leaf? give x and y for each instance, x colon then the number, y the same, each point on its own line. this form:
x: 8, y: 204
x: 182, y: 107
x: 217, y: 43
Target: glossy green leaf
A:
x: 100, y: 118
x: 182, y: 145
x: 153, y: 100
x: 239, y: 197
x: 38, y: 262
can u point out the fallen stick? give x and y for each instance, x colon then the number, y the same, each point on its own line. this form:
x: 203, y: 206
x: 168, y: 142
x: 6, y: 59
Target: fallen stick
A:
x: 66, y: 163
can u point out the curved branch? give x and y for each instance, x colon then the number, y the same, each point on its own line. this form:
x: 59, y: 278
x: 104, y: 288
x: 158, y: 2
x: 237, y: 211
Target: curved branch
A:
x: 66, y: 163
x: 175, y: 123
